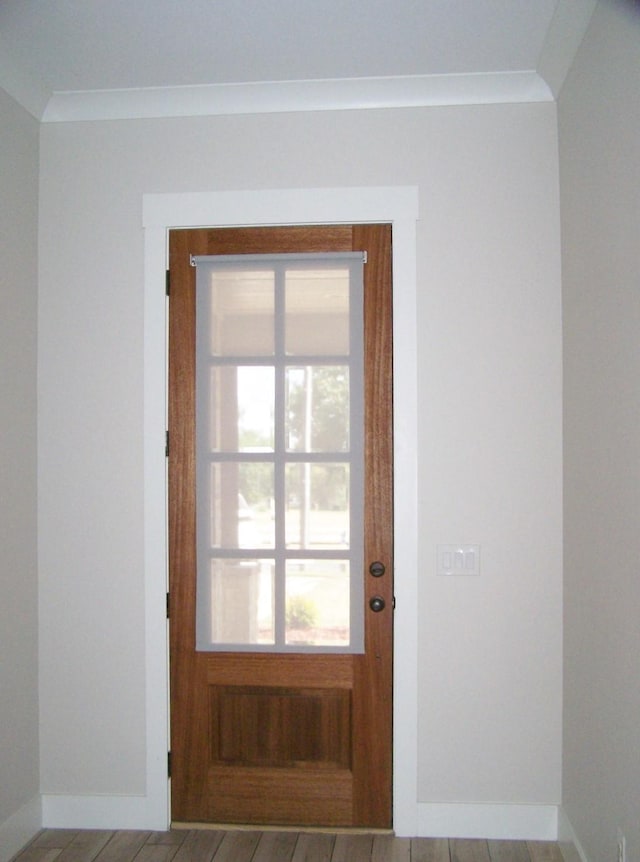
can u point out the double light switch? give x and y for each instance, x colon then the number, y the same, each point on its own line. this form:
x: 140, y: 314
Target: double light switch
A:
x: 458, y: 560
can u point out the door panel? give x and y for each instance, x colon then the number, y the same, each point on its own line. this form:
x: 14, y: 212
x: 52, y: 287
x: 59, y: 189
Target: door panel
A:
x: 281, y: 738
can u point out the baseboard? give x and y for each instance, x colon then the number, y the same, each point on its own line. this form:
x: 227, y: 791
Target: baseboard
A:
x: 435, y: 820
x: 20, y: 828
x: 572, y: 850
x: 464, y: 820
x: 103, y: 812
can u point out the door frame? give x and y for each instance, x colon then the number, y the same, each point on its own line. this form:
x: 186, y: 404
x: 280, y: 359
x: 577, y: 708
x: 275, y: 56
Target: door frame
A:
x: 397, y: 205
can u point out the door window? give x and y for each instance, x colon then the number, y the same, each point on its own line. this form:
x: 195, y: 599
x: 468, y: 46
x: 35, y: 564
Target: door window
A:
x: 279, y: 452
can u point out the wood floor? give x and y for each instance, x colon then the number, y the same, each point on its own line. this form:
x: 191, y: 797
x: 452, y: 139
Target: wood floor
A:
x: 221, y: 845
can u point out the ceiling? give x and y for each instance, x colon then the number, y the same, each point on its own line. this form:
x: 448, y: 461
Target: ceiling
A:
x: 98, y: 59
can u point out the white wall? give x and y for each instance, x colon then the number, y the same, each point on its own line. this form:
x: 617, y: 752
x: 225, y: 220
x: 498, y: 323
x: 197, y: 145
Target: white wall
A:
x: 599, y: 127
x: 489, y: 365
x: 490, y: 401
x: 18, y: 574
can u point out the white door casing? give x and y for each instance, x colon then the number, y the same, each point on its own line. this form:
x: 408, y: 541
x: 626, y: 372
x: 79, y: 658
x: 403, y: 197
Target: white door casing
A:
x: 395, y: 205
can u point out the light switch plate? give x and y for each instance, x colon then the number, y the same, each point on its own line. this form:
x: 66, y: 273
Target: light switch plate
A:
x: 458, y: 560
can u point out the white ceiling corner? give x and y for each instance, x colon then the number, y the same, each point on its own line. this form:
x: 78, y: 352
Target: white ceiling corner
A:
x: 565, y: 34
x: 26, y: 90
x: 67, y: 60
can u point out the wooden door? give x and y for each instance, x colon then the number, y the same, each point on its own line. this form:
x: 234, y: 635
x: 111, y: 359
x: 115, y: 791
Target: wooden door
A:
x: 282, y: 738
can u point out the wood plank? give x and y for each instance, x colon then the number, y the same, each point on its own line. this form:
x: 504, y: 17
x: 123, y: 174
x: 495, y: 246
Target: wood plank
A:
x: 388, y: 848
x: 200, y: 845
x: 54, y: 838
x: 282, y: 670
x: 157, y: 852
x: 85, y: 846
x: 314, y: 847
x: 352, y: 848
x: 262, y: 240
x: 237, y: 847
x: 430, y: 850
x: 172, y: 836
x: 275, y: 847
x: 373, y: 672
x: 544, y: 851
x: 123, y: 846
x: 272, y: 726
x: 509, y: 851
x: 39, y: 854
x: 322, y: 795
x: 468, y: 850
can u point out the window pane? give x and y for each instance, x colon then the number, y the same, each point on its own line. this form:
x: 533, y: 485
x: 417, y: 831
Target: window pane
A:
x: 317, y: 506
x: 241, y: 408
x: 317, y: 602
x: 250, y: 523
x: 279, y: 414
x: 317, y: 412
x: 317, y: 312
x: 241, y: 306
x: 239, y: 608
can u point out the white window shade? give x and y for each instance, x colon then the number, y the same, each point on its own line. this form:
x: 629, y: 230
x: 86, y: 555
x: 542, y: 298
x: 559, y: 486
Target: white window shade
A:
x: 279, y: 453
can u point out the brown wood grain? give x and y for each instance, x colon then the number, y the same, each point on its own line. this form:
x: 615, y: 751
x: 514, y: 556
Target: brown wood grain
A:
x: 469, y: 850
x: 199, y: 845
x: 282, y: 670
x: 276, y: 845
x: 85, y: 846
x: 316, y: 847
x: 280, y: 727
x: 40, y: 854
x: 429, y: 850
x: 189, y: 724
x: 544, y: 851
x: 124, y: 845
x: 157, y: 853
x: 352, y: 848
x: 271, y: 240
x: 236, y: 846
x: 373, y: 672
x: 508, y: 851
x: 319, y: 794
x: 170, y: 836
x: 388, y: 848
x: 202, y: 792
x: 54, y: 838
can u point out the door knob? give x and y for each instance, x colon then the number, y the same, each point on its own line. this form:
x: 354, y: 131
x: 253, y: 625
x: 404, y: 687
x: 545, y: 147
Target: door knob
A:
x: 377, y: 569
x: 376, y: 604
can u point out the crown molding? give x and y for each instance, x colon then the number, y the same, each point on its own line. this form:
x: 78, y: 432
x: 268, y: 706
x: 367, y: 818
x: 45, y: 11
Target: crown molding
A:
x: 289, y: 96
